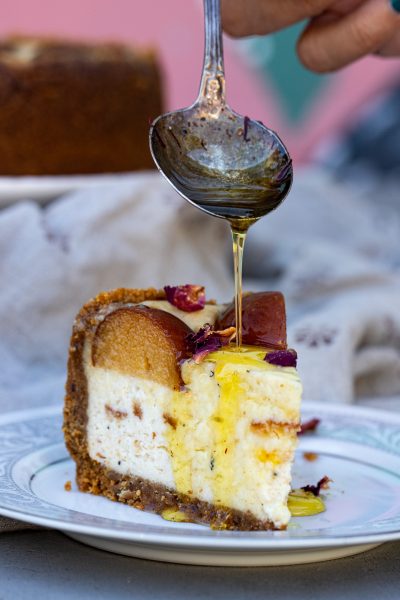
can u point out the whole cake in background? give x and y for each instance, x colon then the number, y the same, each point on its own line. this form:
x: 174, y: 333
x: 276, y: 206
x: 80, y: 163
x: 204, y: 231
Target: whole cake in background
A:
x: 72, y: 108
x: 163, y: 412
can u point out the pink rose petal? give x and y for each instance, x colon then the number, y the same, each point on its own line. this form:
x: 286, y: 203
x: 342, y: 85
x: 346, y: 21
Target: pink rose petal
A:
x: 282, y: 358
x: 207, y: 340
x: 189, y: 298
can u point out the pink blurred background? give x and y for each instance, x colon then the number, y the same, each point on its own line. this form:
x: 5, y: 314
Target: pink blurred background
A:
x: 175, y: 27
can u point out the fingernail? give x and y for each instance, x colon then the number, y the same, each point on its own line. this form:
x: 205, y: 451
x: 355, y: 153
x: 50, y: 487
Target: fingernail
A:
x: 396, y: 5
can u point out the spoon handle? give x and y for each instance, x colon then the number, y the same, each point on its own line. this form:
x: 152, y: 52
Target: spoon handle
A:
x: 212, y: 86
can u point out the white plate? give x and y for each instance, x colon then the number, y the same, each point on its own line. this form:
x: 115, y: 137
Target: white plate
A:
x: 45, y: 188
x: 358, y: 448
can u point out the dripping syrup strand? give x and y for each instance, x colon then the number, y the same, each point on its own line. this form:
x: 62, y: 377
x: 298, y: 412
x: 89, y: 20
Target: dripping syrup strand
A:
x: 238, y: 240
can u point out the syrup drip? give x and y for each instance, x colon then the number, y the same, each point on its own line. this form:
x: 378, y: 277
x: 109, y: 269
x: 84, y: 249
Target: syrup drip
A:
x: 238, y: 239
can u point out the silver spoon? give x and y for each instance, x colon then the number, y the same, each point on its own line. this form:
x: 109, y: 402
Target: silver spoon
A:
x: 224, y: 163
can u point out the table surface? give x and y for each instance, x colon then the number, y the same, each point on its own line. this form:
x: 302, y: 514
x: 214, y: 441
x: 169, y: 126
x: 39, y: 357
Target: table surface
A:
x: 48, y: 565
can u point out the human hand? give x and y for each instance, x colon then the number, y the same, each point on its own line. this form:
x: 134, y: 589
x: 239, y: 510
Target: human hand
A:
x: 338, y: 31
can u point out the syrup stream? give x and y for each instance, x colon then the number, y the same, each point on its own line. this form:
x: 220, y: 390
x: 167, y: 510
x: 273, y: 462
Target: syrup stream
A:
x: 238, y: 239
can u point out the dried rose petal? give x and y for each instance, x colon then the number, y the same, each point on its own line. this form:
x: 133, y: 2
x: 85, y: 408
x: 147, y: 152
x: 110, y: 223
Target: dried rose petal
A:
x: 207, y: 340
x: 186, y: 297
x: 196, y: 339
x: 323, y: 484
x: 282, y: 358
x: 246, y: 122
x: 310, y: 425
x: 284, y: 172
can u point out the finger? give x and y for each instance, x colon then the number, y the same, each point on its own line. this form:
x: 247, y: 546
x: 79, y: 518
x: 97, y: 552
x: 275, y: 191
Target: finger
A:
x: 330, y: 43
x: 258, y: 17
x: 392, y: 47
x: 339, y: 8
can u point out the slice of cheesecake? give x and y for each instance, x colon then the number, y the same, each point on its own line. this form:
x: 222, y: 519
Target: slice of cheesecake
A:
x: 174, y: 420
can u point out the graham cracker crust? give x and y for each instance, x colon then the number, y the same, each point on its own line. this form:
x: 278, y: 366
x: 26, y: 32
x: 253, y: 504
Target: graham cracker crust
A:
x: 145, y: 495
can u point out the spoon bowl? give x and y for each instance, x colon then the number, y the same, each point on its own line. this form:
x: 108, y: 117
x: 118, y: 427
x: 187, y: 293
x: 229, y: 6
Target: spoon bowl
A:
x: 228, y: 165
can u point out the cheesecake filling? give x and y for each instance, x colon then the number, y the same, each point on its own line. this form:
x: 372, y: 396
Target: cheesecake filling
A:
x: 127, y: 424
x: 227, y: 438
x: 194, y: 320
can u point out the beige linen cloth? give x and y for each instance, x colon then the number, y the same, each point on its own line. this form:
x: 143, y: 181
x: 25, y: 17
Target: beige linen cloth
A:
x: 334, y: 253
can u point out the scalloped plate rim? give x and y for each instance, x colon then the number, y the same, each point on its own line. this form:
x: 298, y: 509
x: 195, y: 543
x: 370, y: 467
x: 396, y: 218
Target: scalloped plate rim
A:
x: 232, y: 541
